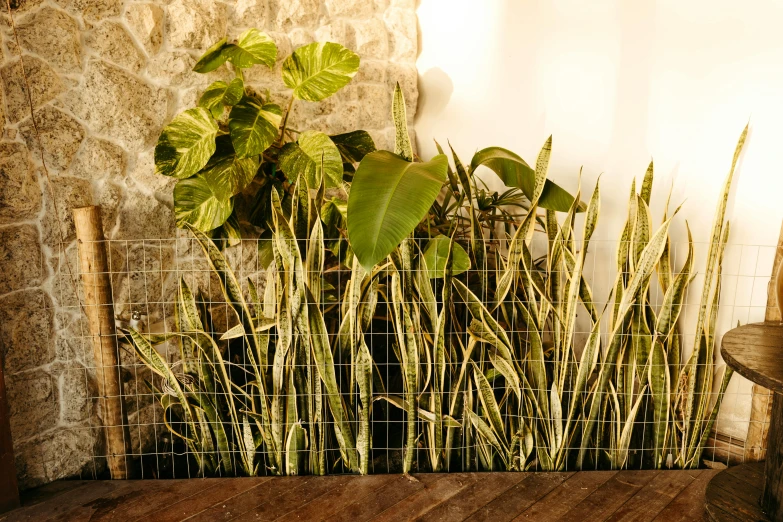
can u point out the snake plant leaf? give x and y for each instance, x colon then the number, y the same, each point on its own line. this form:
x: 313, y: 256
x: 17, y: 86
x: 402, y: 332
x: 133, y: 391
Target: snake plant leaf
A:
x: 437, y: 252
x: 295, y: 449
x: 186, y: 144
x: 660, y: 390
x: 220, y: 95
x: 389, y: 197
x: 253, y: 126
x: 354, y: 146
x: 212, y: 58
x: 201, y: 203
x: 402, y: 140
x: 252, y: 47
x: 515, y: 172
x: 313, y: 156
x: 318, y: 70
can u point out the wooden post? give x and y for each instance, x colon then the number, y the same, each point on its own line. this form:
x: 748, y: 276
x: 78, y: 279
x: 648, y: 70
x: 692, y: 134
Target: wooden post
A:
x: 772, y: 500
x: 9, y: 491
x: 761, y: 398
x: 98, y: 306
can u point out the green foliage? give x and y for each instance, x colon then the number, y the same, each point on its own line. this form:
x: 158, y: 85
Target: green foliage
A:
x: 478, y: 327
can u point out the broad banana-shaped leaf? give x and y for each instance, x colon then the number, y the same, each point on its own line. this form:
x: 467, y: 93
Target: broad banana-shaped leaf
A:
x: 253, y: 126
x: 253, y: 47
x: 402, y: 140
x: 354, y: 146
x: 220, y: 95
x: 389, y: 197
x: 437, y: 252
x: 201, y: 202
x: 313, y: 156
x: 318, y: 70
x: 186, y: 144
x: 515, y: 172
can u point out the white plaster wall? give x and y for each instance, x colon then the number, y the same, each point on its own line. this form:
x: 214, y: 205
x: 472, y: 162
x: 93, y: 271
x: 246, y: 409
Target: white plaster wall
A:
x: 617, y: 82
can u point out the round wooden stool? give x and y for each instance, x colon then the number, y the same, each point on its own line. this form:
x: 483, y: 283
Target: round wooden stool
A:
x: 754, y: 491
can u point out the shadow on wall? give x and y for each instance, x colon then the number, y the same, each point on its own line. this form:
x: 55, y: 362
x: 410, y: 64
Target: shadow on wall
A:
x: 439, y: 89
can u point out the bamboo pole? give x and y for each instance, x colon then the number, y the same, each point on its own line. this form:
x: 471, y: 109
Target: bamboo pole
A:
x: 9, y: 491
x: 99, y: 308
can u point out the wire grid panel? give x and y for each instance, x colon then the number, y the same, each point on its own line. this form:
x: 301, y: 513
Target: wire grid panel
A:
x: 145, y: 279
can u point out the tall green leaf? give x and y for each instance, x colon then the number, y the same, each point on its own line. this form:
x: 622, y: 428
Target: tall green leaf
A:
x: 402, y: 140
x: 318, y: 70
x: 389, y: 197
x: 436, y: 254
x: 186, y: 144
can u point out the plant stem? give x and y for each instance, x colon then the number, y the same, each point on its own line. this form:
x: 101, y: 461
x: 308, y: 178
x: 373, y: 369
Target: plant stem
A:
x: 285, y: 119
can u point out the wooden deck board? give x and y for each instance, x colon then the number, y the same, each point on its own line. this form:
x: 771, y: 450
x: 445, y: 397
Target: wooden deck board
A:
x: 667, y: 496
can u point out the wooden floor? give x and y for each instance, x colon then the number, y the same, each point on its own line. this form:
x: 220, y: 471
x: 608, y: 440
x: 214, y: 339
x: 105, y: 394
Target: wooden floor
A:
x: 585, y: 496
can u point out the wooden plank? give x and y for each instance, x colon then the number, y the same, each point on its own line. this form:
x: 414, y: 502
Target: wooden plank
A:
x: 557, y: 503
x: 752, y: 473
x: 282, y: 504
x: 655, y: 496
x: 9, y: 491
x: 379, y: 500
x: 689, y: 504
x: 753, y: 351
x: 63, y: 503
x: 225, y: 489
x: 103, y: 506
x: 250, y: 499
x: 422, y: 501
x: 728, y: 492
x: 772, y: 499
x: 517, y: 499
x: 326, y: 505
x: 471, y: 499
x: 154, y: 495
x: 43, y: 493
x: 611, y: 495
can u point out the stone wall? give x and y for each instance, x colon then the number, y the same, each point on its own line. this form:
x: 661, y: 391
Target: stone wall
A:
x: 105, y: 76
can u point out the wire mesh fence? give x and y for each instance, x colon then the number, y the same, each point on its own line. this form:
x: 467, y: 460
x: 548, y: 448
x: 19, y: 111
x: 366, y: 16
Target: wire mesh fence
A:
x: 332, y: 369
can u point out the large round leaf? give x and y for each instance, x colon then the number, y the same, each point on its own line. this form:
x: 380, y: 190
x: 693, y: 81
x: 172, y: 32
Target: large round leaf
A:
x: 389, y: 197
x: 253, y: 126
x: 221, y: 94
x: 436, y: 253
x: 200, y: 202
x: 313, y: 156
x: 515, y: 172
x: 227, y: 171
x: 253, y: 47
x: 318, y: 70
x: 186, y: 144
x: 212, y: 58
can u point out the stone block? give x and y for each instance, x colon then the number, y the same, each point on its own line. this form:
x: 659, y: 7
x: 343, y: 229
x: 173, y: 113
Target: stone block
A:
x: 32, y: 400
x: 402, y: 24
x: 26, y: 326
x: 118, y: 104
x: 45, y: 85
x: 99, y: 159
x: 112, y: 42
x: 142, y: 175
x: 350, y: 8
x: 60, y: 136
x: 21, y: 256
x: 68, y: 193
x: 195, y: 24
x: 372, y: 38
x: 20, y: 193
x: 297, y: 13
x: 63, y: 452
x: 109, y: 197
x: 54, y: 36
x: 146, y: 22
x: 144, y: 217
x: 250, y: 13
x: 339, y: 31
x: 76, y: 388
x: 93, y: 10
